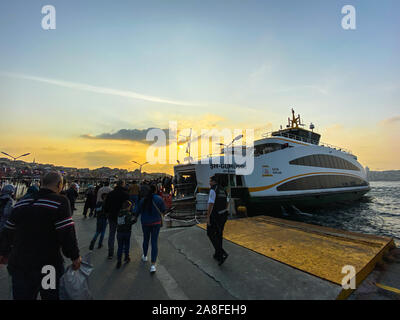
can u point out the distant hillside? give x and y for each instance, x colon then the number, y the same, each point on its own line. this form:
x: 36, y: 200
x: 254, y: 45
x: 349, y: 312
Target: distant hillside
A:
x: 390, y: 175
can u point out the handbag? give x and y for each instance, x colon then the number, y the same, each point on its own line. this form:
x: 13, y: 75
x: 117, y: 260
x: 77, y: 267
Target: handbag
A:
x: 159, y: 211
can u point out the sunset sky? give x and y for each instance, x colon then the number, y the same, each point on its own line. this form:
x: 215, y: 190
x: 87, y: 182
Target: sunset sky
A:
x: 84, y: 94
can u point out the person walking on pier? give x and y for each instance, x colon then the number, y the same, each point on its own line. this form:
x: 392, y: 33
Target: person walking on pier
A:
x: 112, y: 207
x: 134, y: 193
x: 72, y: 195
x: 32, y: 190
x: 124, y: 230
x: 90, y: 202
x: 151, y: 209
x: 37, y: 229
x: 105, y: 188
x: 217, y: 214
x: 6, y: 204
x: 101, y: 224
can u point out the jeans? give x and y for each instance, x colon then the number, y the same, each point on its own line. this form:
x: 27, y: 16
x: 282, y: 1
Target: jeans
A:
x: 151, y: 232
x: 124, y: 241
x: 111, y: 236
x: 100, y: 229
x: 86, y: 208
x: 27, y: 284
x: 215, y: 232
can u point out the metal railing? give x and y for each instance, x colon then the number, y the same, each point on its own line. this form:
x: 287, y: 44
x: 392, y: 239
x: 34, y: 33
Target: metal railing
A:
x: 307, y: 140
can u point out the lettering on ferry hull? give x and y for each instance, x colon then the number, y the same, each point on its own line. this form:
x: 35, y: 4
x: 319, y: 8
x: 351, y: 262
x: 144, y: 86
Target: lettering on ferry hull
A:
x: 276, y: 171
x: 229, y: 167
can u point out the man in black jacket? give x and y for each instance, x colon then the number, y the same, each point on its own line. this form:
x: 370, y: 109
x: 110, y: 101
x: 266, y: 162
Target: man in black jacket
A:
x: 112, y: 207
x: 72, y: 195
x: 38, y: 227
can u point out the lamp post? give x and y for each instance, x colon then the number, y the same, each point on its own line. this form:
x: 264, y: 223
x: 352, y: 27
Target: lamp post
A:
x: 229, y: 175
x: 15, y: 158
x: 140, y: 167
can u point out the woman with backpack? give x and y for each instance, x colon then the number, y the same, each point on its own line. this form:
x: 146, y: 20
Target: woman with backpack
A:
x: 151, y: 208
x: 7, y: 196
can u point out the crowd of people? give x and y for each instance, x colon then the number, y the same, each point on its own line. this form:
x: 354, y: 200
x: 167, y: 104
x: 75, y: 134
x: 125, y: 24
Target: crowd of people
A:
x: 35, y: 230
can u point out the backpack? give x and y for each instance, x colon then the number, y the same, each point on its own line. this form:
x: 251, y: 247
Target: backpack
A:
x: 3, y: 204
x: 125, y: 219
x: 121, y: 220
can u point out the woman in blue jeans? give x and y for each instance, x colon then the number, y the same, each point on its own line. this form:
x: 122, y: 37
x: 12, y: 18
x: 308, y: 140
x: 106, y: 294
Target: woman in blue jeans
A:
x: 151, y: 208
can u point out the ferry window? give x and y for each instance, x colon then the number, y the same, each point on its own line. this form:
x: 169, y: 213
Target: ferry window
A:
x: 324, y: 161
x: 301, y: 184
x: 239, y: 181
x: 335, y: 162
x: 331, y: 162
x: 302, y: 161
x: 223, y: 179
x: 268, y: 148
x: 318, y: 160
x: 339, y: 164
x: 343, y: 164
x: 322, y: 182
x: 337, y: 180
x: 310, y: 161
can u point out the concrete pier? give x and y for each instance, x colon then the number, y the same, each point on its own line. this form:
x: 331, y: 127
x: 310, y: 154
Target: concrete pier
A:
x: 268, y: 259
x: 316, y: 250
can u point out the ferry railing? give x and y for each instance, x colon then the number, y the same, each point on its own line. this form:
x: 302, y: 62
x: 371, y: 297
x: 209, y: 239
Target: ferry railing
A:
x: 200, y: 159
x: 307, y: 140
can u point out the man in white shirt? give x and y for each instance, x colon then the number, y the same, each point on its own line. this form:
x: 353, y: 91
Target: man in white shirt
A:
x: 103, y: 190
x: 217, y: 214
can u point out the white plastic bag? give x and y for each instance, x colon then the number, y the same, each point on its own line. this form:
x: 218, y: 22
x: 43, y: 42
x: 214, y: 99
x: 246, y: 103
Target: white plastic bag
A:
x: 74, y: 283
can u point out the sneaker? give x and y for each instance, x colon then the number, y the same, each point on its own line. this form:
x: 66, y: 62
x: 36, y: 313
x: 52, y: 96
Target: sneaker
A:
x: 144, y: 259
x: 91, y: 246
x: 119, y: 264
x: 152, y: 268
x: 100, y: 246
x: 127, y: 259
x: 110, y: 256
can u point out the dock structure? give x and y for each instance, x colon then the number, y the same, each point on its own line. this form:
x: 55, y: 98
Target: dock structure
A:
x: 320, y: 251
x: 269, y: 259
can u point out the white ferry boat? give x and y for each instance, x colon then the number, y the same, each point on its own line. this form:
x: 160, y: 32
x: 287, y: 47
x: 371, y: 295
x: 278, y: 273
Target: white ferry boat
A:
x: 291, y: 168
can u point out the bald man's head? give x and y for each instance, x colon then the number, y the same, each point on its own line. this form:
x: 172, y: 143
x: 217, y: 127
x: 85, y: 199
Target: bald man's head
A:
x: 53, y: 180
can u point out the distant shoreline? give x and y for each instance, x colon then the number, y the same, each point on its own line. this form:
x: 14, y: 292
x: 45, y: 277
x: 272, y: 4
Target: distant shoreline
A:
x: 387, y: 175
x: 398, y: 180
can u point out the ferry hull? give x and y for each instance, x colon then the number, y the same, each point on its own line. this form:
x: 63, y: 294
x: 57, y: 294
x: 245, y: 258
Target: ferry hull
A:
x: 262, y: 205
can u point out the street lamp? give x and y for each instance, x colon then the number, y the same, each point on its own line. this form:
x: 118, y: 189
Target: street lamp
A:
x: 229, y: 175
x: 15, y: 158
x: 140, y: 166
